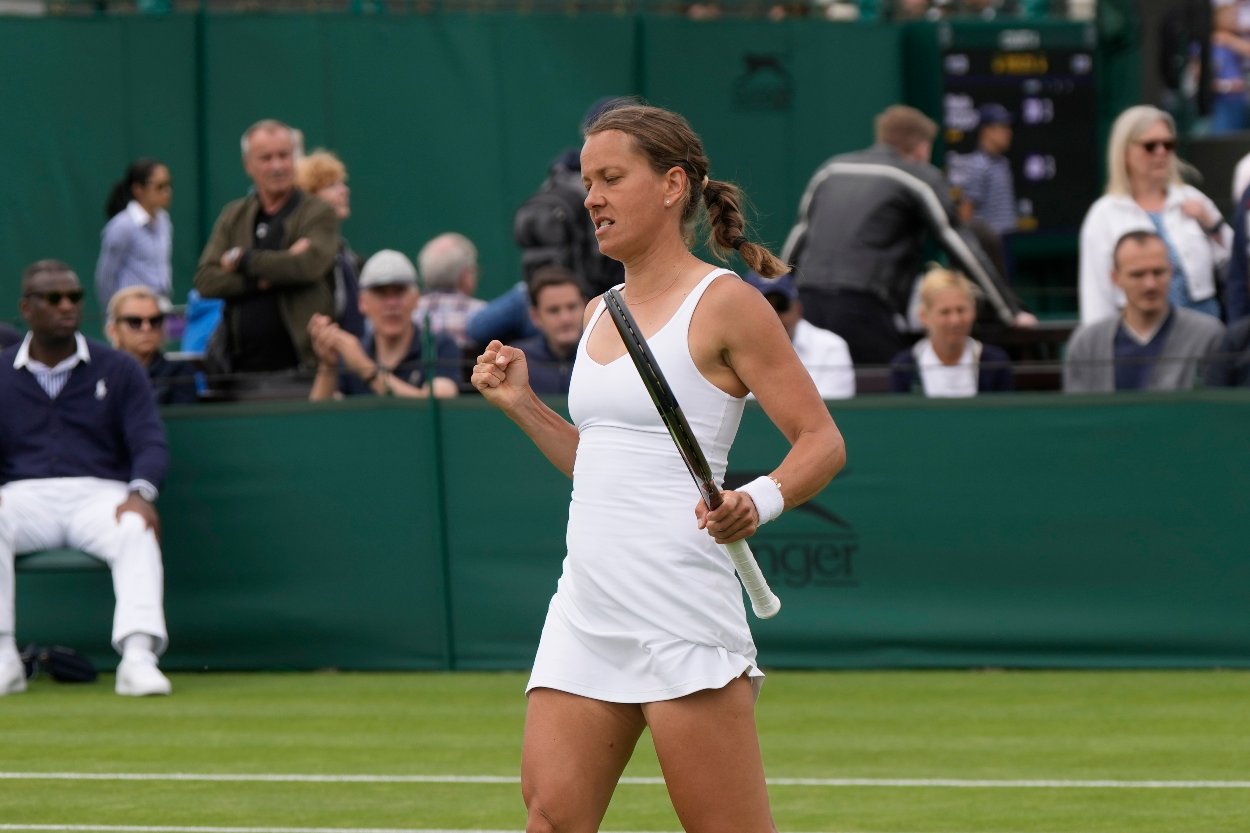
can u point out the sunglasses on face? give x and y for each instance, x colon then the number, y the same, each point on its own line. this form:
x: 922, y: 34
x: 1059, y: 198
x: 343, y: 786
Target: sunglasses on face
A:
x: 136, y: 322
x: 55, y: 297
x: 163, y: 185
x: 1153, y: 145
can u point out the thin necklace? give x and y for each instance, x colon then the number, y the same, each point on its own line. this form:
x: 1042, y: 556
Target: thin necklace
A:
x: 655, y: 295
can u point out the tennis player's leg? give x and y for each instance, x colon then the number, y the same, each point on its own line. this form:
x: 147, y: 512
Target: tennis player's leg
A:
x: 574, y: 752
x: 709, y: 752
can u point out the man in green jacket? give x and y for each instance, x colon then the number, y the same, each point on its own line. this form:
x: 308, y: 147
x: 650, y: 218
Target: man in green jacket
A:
x: 271, y: 258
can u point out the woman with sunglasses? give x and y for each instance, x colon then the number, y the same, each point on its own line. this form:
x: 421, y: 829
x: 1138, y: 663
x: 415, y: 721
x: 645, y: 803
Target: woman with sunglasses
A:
x: 137, y: 241
x: 1145, y: 191
x: 136, y: 325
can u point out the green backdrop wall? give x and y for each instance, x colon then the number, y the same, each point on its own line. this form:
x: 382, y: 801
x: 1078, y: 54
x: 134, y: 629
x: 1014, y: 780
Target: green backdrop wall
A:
x: 444, y: 121
x: 1027, y: 531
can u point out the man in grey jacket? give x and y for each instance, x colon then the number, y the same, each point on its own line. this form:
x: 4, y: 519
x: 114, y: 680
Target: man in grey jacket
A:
x: 858, y: 245
x: 1149, y: 345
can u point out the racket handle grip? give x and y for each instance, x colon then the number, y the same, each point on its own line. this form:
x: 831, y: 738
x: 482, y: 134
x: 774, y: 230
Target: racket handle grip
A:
x: 763, y: 600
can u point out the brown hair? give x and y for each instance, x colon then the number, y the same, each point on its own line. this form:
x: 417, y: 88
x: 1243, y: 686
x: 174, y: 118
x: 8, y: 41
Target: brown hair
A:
x: 667, y: 141
x: 902, y: 127
x: 550, y: 274
x: 1139, y: 236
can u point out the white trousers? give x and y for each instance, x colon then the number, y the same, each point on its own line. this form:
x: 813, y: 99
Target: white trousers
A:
x: 81, y: 513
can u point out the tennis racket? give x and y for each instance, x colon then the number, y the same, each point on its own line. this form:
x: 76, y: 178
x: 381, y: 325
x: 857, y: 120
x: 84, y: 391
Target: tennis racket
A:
x: 763, y: 601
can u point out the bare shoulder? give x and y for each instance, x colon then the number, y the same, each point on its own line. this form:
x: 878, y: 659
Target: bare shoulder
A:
x: 740, y: 321
x: 591, y: 306
x: 733, y: 299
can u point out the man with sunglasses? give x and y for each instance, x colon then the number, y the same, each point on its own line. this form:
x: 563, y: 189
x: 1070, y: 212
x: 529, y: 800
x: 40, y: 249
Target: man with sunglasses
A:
x: 82, y: 455
x: 136, y: 326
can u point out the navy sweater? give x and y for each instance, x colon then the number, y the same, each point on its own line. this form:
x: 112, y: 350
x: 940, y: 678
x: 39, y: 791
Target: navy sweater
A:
x: 103, y: 424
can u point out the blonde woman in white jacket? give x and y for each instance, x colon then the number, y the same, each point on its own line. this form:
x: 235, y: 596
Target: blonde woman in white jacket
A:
x: 1145, y: 191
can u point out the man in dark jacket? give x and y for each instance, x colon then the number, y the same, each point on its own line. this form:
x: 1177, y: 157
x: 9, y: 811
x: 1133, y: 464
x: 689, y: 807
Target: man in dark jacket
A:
x: 858, y: 246
x: 82, y: 455
x: 271, y: 257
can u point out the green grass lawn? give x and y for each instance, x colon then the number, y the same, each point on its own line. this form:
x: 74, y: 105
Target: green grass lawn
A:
x: 1073, y: 727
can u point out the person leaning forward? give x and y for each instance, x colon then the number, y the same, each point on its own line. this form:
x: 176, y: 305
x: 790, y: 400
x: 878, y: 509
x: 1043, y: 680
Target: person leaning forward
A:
x: 270, y: 256
x: 859, y: 242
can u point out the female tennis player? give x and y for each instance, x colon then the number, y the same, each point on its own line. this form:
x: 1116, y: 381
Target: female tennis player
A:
x: 647, y: 628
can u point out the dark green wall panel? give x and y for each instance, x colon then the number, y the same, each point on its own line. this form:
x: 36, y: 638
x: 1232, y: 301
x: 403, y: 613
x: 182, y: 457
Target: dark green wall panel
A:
x: 82, y: 99
x: 1025, y: 531
x: 445, y: 122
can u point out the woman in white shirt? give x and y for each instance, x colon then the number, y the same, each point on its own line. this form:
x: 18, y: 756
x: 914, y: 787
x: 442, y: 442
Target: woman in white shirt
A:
x: 1145, y: 191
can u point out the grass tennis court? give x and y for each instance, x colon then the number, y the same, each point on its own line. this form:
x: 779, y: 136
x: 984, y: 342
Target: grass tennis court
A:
x: 887, y: 752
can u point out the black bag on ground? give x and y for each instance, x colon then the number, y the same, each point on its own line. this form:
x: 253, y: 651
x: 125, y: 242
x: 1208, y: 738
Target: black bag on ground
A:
x: 65, y: 665
x: 552, y: 226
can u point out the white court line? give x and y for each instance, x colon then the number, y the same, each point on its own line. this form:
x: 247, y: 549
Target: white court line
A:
x: 948, y: 783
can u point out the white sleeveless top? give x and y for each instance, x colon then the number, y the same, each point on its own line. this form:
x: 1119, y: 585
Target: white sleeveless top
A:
x: 648, y: 606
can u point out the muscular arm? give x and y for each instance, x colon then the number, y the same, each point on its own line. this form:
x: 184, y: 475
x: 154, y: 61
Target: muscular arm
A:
x: 502, y: 378
x: 755, y: 353
x: 555, y: 436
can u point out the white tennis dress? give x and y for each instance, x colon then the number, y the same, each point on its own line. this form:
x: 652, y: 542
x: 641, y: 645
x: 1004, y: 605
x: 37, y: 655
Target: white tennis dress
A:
x: 648, y: 606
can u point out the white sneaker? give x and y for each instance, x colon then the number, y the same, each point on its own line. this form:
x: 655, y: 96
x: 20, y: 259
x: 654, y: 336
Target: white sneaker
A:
x: 138, y: 676
x: 12, y: 675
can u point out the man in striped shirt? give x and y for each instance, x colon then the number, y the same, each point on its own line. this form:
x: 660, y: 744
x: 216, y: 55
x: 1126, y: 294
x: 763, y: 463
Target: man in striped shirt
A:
x: 984, y: 176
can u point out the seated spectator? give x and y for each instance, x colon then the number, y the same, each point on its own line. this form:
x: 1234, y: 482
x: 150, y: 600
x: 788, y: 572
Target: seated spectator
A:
x: 324, y: 176
x: 824, y: 354
x: 82, y: 455
x: 558, y: 310
x: 1151, y: 344
x: 948, y: 361
x: 1230, y: 367
x: 449, y: 270
x: 390, y: 362
x: 136, y: 326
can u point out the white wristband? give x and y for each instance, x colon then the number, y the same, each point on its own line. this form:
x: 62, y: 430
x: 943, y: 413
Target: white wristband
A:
x: 766, y: 492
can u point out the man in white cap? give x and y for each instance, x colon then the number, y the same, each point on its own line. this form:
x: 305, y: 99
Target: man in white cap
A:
x: 391, y: 360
